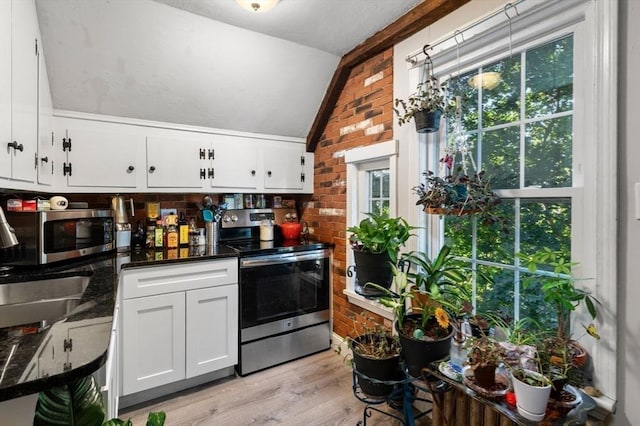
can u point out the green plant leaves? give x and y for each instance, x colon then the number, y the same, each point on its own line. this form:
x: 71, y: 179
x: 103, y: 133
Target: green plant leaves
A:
x: 75, y: 404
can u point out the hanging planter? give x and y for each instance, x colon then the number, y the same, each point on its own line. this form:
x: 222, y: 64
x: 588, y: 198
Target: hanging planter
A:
x: 426, y: 105
x: 427, y: 121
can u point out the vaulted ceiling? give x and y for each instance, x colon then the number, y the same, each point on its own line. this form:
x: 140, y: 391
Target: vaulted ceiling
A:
x: 204, y: 62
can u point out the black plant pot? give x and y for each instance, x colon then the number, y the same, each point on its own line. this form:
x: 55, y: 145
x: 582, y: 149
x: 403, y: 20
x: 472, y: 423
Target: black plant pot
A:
x: 417, y: 354
x: 373, y: 267
x: 427, y: 122
x: 383, y: 369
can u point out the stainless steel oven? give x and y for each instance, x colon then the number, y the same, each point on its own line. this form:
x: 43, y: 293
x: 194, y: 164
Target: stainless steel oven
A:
x: 284, y: 299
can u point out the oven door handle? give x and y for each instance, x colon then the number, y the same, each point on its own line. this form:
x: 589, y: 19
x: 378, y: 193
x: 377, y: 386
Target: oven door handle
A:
x: 278, y: 259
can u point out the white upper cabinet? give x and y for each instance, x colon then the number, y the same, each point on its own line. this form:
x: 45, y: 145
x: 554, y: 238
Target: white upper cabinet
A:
x: 97, y: 154
x: 45, y: 163
x: 283, y: 166
x: 107, y: 155
x: 20, y: 141
x: 235, y: 164
x: 178, y: 161
x: 5, y: 88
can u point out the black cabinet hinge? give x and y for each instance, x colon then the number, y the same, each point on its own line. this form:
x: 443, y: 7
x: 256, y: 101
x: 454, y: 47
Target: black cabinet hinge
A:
x: 302, y: 160
x: 202, y: 154
x: 211, y: 173
x: 203, y: 174
x: 36, y: 47
x: 212, y: 154
x: 301, y: 177
x: 66, y: 169
x: 68, y: 344
x: 66, y: 144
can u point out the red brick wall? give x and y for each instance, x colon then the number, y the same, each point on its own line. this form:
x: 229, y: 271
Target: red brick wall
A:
x: 362, y: 116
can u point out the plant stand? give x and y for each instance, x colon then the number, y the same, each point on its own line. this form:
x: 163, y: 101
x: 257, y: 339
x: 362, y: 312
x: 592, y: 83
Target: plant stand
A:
x: 400, y: 401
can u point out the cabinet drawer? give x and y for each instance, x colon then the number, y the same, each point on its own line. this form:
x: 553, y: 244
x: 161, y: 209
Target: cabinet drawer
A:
x: 149, y: 281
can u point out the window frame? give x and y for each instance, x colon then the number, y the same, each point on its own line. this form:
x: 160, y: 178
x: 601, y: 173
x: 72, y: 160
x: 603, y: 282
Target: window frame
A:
x: 359, y: 161
x: 594, y: 24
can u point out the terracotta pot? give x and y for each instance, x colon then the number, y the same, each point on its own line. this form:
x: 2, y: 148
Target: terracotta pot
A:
x: 579, y: 354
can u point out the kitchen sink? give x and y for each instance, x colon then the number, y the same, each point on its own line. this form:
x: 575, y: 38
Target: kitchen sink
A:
x: 47, y: 300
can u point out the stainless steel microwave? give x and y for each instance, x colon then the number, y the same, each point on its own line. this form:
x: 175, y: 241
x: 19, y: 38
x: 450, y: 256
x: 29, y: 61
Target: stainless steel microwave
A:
x: 56, y: 235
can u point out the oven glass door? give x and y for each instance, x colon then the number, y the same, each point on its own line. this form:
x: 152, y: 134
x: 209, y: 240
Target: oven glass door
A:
x: 276, y: 287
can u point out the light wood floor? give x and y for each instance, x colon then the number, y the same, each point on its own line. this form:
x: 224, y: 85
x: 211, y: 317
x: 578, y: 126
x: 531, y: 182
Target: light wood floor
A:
x: 316, y: 390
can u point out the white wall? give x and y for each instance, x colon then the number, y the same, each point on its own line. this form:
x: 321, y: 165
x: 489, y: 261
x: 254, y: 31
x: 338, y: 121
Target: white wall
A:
x: 629, y: 227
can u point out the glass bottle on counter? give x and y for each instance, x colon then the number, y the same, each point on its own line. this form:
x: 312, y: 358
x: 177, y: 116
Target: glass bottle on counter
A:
x: 171, y: 234
x: 151, y: 235
x: 193, y: 233
x: 159, y: 233
x: 183, y: 231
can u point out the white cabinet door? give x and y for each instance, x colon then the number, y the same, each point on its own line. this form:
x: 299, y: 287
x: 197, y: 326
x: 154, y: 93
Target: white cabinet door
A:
x: 153, y: 338
x: 212, y: 329
x: 24, y: 97
x: 235, y: 163
x: 177, y: 162
x: 45, y: 163
x: 100, y: 156
x: 5, y: 88
x: 283, y: 166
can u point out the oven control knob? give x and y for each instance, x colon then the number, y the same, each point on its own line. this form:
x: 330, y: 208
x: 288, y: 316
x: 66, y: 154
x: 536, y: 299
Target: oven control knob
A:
x: 226, y: 219
x: 234, y: 218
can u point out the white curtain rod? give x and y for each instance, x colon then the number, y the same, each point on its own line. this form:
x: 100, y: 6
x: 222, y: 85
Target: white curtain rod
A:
x: 460, y: 32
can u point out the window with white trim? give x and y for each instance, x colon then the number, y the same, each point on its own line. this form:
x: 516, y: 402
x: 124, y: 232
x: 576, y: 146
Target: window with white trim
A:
x: 540, y: 134
x: 371, y: 181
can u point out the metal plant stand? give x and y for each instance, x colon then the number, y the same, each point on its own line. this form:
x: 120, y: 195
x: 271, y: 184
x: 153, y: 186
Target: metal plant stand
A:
x: 401, y: 399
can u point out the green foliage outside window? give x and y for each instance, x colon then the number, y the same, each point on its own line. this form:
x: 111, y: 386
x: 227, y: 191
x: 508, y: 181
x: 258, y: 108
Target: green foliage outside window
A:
x: 519, y: 148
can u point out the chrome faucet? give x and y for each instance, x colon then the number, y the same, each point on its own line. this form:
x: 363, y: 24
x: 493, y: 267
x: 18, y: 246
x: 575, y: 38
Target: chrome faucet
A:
x: 7, y: 234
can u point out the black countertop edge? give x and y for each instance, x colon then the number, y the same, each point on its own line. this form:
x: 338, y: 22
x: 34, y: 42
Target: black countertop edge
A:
x: 150, y: 257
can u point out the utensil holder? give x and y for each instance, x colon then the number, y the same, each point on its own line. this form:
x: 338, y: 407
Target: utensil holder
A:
x: 212, y: 233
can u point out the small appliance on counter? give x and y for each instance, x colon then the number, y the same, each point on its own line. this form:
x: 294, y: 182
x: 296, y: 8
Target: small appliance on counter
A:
x: 122, y: 224
x: 57, y: 235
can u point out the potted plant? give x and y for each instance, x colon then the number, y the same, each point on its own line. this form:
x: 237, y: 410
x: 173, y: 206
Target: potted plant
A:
x: 376, y: 358
x: 459, y: 193
x: 532, y: 391
x: 558, y: 288
x: 425, y: 106
x: 484, y: 354
x: 376, y: 242
x: 422, y: 298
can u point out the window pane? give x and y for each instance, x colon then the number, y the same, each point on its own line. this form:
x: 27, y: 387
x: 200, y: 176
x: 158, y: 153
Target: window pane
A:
x: 493, y: 244
x: 550, y: 78
x: 496, y: 293
x: 548, y: 158
x: 385, y: 183
x: 375, y: 184
x: 502, y: 104
x: 545, y: 223
x: 457, y: 235
x: 532, y: 304
x: 501, y: 157
x: 459, y: 86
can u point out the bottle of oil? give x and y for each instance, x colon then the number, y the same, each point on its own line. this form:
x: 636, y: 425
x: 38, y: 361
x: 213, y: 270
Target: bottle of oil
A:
x: 172, y: 237
x: 183, y: 231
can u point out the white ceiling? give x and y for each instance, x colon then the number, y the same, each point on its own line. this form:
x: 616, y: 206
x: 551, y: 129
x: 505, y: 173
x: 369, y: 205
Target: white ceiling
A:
x: 204, y: 62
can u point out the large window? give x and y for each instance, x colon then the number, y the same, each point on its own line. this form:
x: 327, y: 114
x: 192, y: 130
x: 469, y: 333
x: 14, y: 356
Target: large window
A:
x: 520, y: 132
x: 547, y: 135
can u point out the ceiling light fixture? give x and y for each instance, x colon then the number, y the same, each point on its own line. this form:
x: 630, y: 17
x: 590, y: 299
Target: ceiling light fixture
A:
x: 259, y: 6
x: 486, y: 80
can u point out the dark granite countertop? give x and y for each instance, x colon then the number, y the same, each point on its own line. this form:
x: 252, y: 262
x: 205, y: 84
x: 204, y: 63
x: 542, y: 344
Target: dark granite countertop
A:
x: 33, y: 357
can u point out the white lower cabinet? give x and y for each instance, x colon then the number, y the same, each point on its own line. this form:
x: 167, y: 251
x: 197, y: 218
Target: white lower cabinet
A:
x: 178, y: 322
